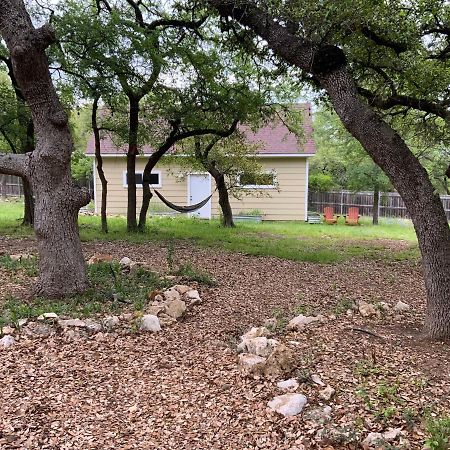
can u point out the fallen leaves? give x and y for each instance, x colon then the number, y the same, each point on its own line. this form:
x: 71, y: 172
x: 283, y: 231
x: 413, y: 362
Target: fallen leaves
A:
x: 182, y: 389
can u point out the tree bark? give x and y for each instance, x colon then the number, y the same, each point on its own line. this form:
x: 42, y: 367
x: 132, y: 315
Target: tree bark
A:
x: 99, y: 159
x: 327, y: 64
x: 27, y: 145
x: 28, y: 210
x: 62, y: 268
x: 224, y: 199
x: 132, y: 225
x: 376, y: 202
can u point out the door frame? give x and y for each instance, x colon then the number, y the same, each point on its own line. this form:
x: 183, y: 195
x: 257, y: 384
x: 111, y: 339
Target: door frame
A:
x: 189, y: 191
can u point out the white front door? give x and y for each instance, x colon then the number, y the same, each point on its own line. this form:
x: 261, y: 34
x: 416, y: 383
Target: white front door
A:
x: 200, y: 188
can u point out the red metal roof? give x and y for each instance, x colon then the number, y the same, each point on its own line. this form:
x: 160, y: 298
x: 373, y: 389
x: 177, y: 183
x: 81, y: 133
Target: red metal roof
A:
x: 274, y: 138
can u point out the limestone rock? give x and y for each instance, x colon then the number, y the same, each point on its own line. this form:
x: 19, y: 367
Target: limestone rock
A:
x: 334, y: 436
x: 93, y: 327
x: 327, y: 393
x: 175, y: 308
x: 260, y: 346
x: 48, y: 316
x: 20, y: 257
x: 71, y: 323
x: 171, y: 295
x: 22, y: 322
x: 126, y: 317
x: 255, y: 332
x: 8, y: 330
x: 166, y: 320
x: 301, y: 321
x: 192, y: 296
x: 151, y: 323
x: 280, y: 363
x: 155, y: 310
x: 182, y: 288
x: 249, y: 363
x: 7, y: 341
x: 38, y: 330
x: 111, y: 322
x: 367, y: 309
x: 316, y: 379
x: 286, y: 385
x: 379, y: 440
x: 288, y: 404
x: 319, y: 416
x: 125, y: 262
x: 373, y: 440
x: 402, y: 307
x: 100, y: 258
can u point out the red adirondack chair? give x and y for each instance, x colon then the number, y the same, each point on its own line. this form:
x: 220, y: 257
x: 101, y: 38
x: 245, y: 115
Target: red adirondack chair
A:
x: 352, y: 218
x: 329, y: 216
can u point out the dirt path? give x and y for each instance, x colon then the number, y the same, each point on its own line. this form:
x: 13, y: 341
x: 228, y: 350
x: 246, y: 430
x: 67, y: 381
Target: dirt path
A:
x: 180, y: 389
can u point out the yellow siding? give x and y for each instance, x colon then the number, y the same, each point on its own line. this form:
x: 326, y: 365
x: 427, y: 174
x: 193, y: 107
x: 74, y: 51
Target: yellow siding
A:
x: 286, y: 203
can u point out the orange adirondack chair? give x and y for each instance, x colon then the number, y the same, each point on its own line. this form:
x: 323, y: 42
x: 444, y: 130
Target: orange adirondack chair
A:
x: 328, y: 215
x: 352, y: 218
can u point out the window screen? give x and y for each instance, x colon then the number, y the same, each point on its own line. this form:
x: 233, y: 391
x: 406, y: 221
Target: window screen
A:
x: 266, y: 179
x: 154, y: 178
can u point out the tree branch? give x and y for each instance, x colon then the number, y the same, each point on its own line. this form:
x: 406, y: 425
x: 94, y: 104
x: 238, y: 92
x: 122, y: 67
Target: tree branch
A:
x: 440, y: 109
x: 398, y: 47
x: 12, y: 164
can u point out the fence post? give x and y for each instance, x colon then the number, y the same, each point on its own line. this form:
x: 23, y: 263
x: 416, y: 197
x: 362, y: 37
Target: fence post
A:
x: 342, y: 202
x: 380, y: 198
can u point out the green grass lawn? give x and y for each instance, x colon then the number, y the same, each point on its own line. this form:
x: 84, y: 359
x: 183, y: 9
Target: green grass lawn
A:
x: 291, y: 240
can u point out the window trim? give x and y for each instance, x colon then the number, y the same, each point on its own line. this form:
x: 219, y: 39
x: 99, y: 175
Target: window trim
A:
x: 141, y: 172
x: 261, y: 186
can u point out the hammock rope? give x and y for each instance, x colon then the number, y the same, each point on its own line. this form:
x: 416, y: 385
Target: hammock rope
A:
x: 183, y: 209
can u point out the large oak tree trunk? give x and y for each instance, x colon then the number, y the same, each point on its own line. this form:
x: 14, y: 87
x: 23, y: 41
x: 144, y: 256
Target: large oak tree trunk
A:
x: 328, y: 66
x: 57, y: 200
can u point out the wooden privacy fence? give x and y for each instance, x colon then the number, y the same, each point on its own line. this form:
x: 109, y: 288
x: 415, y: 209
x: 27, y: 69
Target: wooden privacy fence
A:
x: 391, y: 204
x: 11, y: 186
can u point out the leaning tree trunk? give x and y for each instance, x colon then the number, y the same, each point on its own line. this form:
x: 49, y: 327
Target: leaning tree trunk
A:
x: 328, y: 66
x: 149, y: 166
x: 411, y: 181
x: 224, y: 199
x: 62, y: 268
x: 131, y: 164
x: 99, y: 159
x: 376, y: 203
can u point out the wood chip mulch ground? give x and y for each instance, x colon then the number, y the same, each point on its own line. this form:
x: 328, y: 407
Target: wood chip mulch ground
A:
x: 181, y: 388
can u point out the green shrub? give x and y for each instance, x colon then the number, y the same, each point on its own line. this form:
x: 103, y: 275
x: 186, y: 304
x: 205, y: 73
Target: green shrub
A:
x: 439, y: 434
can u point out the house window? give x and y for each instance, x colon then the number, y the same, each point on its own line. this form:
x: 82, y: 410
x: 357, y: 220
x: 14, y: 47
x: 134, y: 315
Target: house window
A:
x: 260, y: 181
x: 155, y: 179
